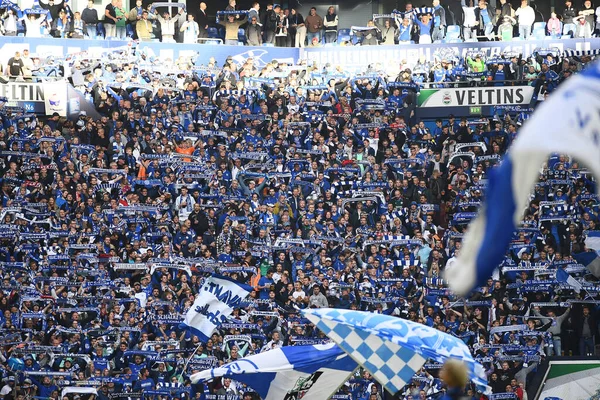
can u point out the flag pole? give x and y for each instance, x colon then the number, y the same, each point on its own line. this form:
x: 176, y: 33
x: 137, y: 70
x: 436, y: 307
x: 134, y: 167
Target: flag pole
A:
x: 188, y: 360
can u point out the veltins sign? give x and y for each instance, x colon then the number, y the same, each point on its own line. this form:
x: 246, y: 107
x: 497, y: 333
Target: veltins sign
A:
x: 468, y: 97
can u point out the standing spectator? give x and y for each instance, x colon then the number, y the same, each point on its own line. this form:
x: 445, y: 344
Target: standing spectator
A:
x: 33, y: 25
x: 232, y: 25
x: 554, y: 26
x: 505, y: 11
x: 505, y: 29
x: 282, y: 28
x: 167, y: 25
x: 314, y: 25
x: 586, y: 329
x: 526, y: 18
x: 439, y: 21
x: 331, y: 25
x: 588, y: 12
x: 190, y: 30
x: 231, y: 5
x: 269, y: 24
x: 89, y: 15
x: 61, y: 25
x: 110, y: 19
x: 52, y: 7
x: 470, y: 21
x: 423, y: 21
x: 121, y: 22
x: 202, y: 21
x: 369, y: 34
x: 143, y: 27
x: 485, y: 15
x: 297, y: 28
x: 583, y: 28
x: 253, y: 32
x: 135, y: 15
x: 569, y: 13
x: 78, y: 28
x: 404, y: 30
x: 253, y: 12
x: 15, y: 65
x: 10, y: 23
x: 388, y: 33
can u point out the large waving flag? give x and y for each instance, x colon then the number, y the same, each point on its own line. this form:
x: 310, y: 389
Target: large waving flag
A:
x: 288, y: 373
x: 592, y: 240
x: 591, y: 260
x: 215, y: 302
x: 392, y: 349
x: 567, y: 123
x: 563, y: 276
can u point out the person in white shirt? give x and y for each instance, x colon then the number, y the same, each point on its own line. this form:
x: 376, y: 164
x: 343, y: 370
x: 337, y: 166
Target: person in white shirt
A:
x: 33, y: 23
x: 10, y: 23
x: 167, y: 24
x: 526, y: 17
x: 470, y: 22
x: 184, y: 204
x: 190, y: 30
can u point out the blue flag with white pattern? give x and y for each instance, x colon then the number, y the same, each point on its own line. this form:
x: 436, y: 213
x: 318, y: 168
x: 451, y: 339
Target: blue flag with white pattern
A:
x: 312, y: 372
x: 390, y: 348
x: 567, y: 123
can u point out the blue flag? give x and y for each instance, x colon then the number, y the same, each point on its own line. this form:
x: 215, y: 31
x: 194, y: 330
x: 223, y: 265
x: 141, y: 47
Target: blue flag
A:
x: 511, y: 183
x: 290, y: 372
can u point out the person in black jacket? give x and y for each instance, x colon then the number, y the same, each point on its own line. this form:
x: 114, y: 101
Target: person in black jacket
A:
x: 202, y: 20
x: 586, y: 329
x: 269, y: 24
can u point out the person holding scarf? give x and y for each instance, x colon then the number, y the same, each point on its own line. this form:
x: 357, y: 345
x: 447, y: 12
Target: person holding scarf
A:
x: 190, y: 30
x: 60, y: 26
x: 78, y: 27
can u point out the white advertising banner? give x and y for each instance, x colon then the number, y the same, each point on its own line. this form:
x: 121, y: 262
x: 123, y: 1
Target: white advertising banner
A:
x: 468, y: 97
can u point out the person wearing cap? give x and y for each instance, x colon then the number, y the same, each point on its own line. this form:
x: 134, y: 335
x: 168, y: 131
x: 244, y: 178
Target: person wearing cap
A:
x: 232, y: 25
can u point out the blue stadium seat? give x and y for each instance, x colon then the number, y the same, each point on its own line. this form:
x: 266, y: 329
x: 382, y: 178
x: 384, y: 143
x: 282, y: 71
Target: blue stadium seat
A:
x: 343, y: 35
x: 129, y: 30
x: 539, y: 25
x: 213, y: 32
x: 268, y: 45
x: 539, y: 33
x: 453, y: 32
x: 241, y: 35
x: 568, y: 28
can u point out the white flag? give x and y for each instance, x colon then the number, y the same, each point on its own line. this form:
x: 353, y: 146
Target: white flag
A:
x: 215, y: 302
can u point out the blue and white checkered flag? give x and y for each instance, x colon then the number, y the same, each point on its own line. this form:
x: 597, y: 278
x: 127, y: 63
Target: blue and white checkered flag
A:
x: 390, y: 348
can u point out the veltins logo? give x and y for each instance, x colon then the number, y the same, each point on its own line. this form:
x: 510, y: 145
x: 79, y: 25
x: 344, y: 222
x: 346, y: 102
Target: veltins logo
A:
x: 446, y: 98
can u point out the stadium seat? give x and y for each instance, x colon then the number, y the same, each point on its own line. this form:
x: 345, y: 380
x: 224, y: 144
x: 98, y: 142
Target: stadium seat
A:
x: 568, y: 28
x: 539, y: 33
x: 129, y: 30
x: 242, y: 35
x: 453, y: 32
x: 539, y: 25
x: 343, y: 38
x: 213, y: 32
x: 343, y: 35
x: 268, y: 45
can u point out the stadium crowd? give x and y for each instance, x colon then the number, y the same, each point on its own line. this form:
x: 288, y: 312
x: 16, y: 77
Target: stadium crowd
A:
x: 317, y: 187
x: 287, y: 27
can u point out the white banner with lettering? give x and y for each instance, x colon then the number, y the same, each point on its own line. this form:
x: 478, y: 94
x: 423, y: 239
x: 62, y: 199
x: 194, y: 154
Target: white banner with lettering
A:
x: 215, y: 302
x: 466, y: 97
